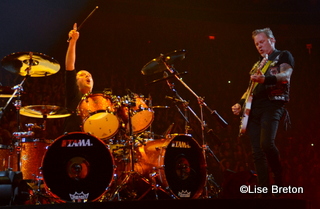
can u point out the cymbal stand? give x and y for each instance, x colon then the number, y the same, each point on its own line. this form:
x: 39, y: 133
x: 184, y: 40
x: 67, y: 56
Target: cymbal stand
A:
x: 17, y: 91
x: 18, y: 134
x: 131, y: 175
x: 185, y: 106
x: 201, y: 119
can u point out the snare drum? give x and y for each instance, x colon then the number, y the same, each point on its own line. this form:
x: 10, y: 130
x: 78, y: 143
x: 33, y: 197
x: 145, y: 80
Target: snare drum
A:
x: 77, y: 167
x: 177, y: 162
x: 98, y: 114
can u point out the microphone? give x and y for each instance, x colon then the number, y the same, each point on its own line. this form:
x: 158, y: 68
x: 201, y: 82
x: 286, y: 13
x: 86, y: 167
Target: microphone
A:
x: 23, y: 134
x: 175, y: 99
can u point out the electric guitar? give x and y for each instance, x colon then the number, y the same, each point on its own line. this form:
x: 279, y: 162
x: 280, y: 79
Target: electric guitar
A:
x: 249, y: 96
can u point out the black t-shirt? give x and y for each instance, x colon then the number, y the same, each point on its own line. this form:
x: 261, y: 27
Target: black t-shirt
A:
x: 73, y: 97
x: 260, y: 94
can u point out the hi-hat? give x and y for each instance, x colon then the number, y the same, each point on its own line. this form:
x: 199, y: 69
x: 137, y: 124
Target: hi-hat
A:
x: 33, y: 64
x: 157, y: 65
x: 41, y: 111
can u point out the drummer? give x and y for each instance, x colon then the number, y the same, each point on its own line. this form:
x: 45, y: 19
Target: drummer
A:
x: 77, y: 83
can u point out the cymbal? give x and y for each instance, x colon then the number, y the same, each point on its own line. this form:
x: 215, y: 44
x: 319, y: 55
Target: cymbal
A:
x: 40, y: 111
x: 6, y: 92
x: 41, y: 64
x: 156, y: 65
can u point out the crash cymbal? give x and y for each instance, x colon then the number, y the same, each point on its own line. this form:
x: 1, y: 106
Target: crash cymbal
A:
x: 41, y: 64
x: 156, y: 65
x: 39, y: 111
x: 6, y: 92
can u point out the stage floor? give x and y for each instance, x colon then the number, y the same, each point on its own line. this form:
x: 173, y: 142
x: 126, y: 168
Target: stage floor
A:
x: 184, y: 204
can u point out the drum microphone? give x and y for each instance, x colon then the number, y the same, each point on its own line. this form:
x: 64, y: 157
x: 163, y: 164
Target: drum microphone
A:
x: 175, y: 99
x: 23, y: 134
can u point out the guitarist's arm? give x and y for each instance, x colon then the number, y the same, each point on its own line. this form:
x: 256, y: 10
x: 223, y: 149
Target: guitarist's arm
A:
x: 282, y: 77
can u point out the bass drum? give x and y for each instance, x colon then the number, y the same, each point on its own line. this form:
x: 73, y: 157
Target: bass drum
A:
x: 177, y: 162
x: 77, y: 167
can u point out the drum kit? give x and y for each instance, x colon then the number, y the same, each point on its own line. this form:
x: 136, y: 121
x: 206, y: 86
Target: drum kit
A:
x: 94, y: 165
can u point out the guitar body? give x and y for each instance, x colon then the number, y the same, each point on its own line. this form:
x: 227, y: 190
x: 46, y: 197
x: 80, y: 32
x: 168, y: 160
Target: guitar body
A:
x: 245, y: 115
x: 246, y: 108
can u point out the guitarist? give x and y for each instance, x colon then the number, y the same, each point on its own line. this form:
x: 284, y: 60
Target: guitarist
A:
x: 269, y: 96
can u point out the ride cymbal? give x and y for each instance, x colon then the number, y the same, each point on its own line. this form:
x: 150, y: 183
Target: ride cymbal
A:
x: 41, y: 111
x: 156, y: 65
x: 33, y: 64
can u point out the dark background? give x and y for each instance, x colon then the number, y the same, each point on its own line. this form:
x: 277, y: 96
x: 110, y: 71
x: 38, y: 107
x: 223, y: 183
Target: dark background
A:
x: 123, y: 35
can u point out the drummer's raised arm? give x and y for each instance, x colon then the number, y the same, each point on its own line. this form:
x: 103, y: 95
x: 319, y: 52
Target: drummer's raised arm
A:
x: 71, y: 51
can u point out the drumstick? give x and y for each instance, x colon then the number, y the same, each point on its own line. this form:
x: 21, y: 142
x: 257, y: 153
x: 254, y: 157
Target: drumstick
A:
x: 88, y: 17
x: 85, y: 19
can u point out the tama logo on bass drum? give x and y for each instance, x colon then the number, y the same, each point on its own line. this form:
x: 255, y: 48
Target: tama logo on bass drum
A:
x: 76, y: 143
x: 180, y: 144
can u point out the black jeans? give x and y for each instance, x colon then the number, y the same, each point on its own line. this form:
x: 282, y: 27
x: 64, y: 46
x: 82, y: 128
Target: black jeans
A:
x: 262, y: 129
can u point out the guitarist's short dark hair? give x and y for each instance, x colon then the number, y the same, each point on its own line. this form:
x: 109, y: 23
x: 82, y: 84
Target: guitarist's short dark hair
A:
x: 266, y: 31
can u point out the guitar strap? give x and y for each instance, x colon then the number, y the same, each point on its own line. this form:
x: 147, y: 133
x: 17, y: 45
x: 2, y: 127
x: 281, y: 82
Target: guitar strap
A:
x: 263, y: 71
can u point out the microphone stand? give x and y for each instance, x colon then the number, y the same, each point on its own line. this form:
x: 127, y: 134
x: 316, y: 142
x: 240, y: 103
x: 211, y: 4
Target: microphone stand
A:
x: 201, y: 102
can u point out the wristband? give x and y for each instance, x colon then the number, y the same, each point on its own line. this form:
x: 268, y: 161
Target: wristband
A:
x: 270, y: 80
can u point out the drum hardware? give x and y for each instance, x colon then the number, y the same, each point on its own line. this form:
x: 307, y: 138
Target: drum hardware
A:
x: 30, y: 64
x: 164, y: 63
x: 133, y: 176
x: 6, y: 92
x: 214, y: 189
x: 17, y: 92
x: 166, y: 78
x: 185, y: 105
x: 160, y: 107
